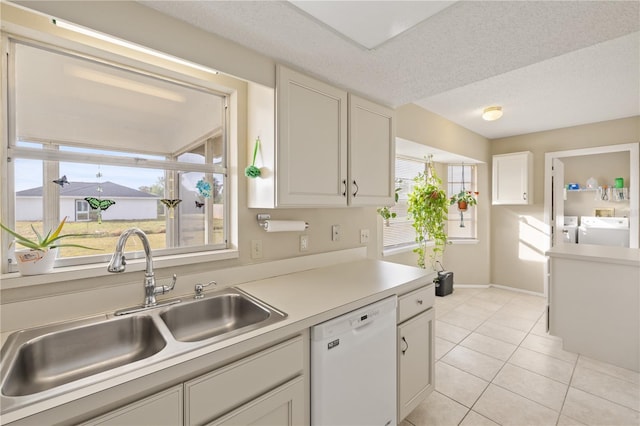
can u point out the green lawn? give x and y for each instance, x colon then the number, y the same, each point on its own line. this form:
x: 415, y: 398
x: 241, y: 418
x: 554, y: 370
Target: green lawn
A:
x: 103, y: 237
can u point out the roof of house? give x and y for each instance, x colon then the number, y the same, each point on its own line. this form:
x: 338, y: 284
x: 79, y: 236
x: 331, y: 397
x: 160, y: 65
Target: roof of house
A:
x: 90, y: 189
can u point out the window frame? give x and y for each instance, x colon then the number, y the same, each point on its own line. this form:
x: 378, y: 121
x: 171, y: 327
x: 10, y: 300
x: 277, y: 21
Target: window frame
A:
x: 53, y: 156
x: 410, y: 245
x: 472, y: 211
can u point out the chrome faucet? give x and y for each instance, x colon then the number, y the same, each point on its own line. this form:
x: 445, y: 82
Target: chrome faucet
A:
x: 118, y: 262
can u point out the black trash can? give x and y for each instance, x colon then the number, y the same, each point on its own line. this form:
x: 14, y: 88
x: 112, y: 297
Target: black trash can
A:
x: 444, y: 283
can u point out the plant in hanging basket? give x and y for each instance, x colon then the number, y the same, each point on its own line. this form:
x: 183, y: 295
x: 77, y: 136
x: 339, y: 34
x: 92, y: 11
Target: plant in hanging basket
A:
x: 464, y: 199
x: 385, y: 212
x: 428, y: 207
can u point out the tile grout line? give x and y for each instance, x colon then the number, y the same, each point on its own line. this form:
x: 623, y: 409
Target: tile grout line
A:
x: 490, y: 382
x: 528, y: 333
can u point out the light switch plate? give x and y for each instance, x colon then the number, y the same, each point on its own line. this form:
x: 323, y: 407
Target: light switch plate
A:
x: 256, y: 249
x: 335, y: 233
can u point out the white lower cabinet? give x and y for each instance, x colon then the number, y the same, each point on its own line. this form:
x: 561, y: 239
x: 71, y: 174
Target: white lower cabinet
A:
x: 212, y: 396
x: 162, y: 408
x: 282, y: 406
x: 266, y: 388
x: 416, y: 339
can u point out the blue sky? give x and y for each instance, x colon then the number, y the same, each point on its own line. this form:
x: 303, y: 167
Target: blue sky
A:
x: 29, y: 174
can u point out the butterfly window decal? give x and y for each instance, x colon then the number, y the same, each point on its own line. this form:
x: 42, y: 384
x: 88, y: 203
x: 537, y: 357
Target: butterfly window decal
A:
x: 100, y: 205
x: 171, y: 204
x: 62, y: 181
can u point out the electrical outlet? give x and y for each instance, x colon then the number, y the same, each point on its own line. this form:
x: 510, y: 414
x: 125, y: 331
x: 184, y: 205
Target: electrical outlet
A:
x: 256, y: 249
x: 364, y: 236
x: 335, y: 233
x: 304, y: 242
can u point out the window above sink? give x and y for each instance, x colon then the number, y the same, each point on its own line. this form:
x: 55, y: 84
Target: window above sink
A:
x: 110, y: 146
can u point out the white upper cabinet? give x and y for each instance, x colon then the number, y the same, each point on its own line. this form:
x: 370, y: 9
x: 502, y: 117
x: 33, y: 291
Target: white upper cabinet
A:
x: 513, y: 178
x: 311, y: 141
x: 330, y: 149
x: 371, y: 153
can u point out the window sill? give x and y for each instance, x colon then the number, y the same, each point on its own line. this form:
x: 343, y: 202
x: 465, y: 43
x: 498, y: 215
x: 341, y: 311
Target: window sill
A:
x: 15, y: 280
x: 411, y: 247
x: 463, y: 241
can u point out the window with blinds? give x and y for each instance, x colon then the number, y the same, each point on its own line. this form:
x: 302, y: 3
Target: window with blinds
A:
x: 398, y: 231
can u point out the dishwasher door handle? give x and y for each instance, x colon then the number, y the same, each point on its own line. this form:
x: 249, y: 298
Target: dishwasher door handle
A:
x: 406, y: 347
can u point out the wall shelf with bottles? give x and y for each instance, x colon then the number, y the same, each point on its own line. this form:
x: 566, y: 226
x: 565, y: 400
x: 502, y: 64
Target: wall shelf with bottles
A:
x: 604, y: 193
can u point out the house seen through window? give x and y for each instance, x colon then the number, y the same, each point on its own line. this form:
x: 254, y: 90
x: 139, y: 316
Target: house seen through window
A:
x: 111, y: 148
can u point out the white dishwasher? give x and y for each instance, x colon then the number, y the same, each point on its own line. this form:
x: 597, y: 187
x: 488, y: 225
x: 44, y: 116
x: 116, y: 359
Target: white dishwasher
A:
x: 353, y: 367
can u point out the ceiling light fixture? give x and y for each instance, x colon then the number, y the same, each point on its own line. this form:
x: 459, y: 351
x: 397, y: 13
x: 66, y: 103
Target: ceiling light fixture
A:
x: 492, y: 113
x: 110, y: 39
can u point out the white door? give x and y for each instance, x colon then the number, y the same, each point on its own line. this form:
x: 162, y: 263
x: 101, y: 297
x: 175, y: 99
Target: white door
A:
x: 557, y: 203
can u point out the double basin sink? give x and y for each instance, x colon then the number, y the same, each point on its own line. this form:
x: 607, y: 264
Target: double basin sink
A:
x: 53, y: 359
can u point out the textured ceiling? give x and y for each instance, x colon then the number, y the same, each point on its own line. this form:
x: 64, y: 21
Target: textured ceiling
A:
x: 576, y: 62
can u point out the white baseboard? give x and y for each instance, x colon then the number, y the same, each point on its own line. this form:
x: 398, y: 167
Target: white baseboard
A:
x: 502, y: 287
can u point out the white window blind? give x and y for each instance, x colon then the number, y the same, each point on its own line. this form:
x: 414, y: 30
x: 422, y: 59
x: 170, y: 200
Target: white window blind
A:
x: 399, y: 231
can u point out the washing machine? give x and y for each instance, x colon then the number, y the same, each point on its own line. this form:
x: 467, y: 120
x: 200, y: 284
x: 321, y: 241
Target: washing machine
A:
x: 570, y: 230
x: 607, y: 231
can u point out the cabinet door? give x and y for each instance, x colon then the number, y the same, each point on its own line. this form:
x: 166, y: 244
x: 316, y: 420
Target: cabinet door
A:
x: 513, y: 178
x: 311, y: 141
x: 163, y: 408
x: 371, y: 153
x: 416, y: 378
x: 212, y: 395
x: 283, y: 406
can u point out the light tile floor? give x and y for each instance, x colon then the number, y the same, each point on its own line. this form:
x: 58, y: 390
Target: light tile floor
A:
x: 496, y: 364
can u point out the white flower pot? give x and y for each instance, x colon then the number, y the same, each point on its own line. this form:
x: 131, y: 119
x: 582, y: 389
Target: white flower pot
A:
x: 36, y: 262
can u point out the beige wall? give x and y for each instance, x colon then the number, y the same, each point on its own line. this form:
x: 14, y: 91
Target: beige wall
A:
x: 602, y: 167
x: 136, y: 23
x: 517, y: 243
x: 494, y: 259
x: 470, y: 262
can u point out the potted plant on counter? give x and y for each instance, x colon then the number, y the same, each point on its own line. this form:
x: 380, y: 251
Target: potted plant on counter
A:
x: 40, y: 253
x: 428, y: 207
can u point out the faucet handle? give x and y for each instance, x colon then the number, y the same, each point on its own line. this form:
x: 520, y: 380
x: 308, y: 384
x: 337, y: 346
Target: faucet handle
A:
x: 166, y: 288
x: 200, y: 289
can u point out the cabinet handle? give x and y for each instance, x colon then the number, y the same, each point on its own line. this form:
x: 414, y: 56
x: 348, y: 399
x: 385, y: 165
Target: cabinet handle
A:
x: 407, y: 347
x: 344, y: 192
x: 524, y: 196
x: 419, y: 301
x: 357, y: 188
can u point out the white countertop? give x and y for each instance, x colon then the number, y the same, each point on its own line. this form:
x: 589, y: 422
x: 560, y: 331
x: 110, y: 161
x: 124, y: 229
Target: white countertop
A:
x: 308, y: 298
x: 596, y: 253
x: 306, y: 294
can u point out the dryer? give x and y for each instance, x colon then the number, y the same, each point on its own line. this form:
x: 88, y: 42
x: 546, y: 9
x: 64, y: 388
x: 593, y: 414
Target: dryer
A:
x: 607, y: 231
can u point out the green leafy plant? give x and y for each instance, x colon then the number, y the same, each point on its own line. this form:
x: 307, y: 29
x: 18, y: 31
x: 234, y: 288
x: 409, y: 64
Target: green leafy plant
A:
x: 49, y: 241
x: 385, y: 212
x: 468, y: 197
x: 428, y: 207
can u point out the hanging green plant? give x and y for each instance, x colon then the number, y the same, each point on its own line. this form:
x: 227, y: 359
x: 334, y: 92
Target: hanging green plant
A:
x: 252, y: 171
x: 428, y: 207
x: 385, y: 212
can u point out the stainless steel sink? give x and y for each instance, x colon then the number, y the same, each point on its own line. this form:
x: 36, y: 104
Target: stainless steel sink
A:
x: 59, y: 357
x: 223, y: 315
x: 40, y: 363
